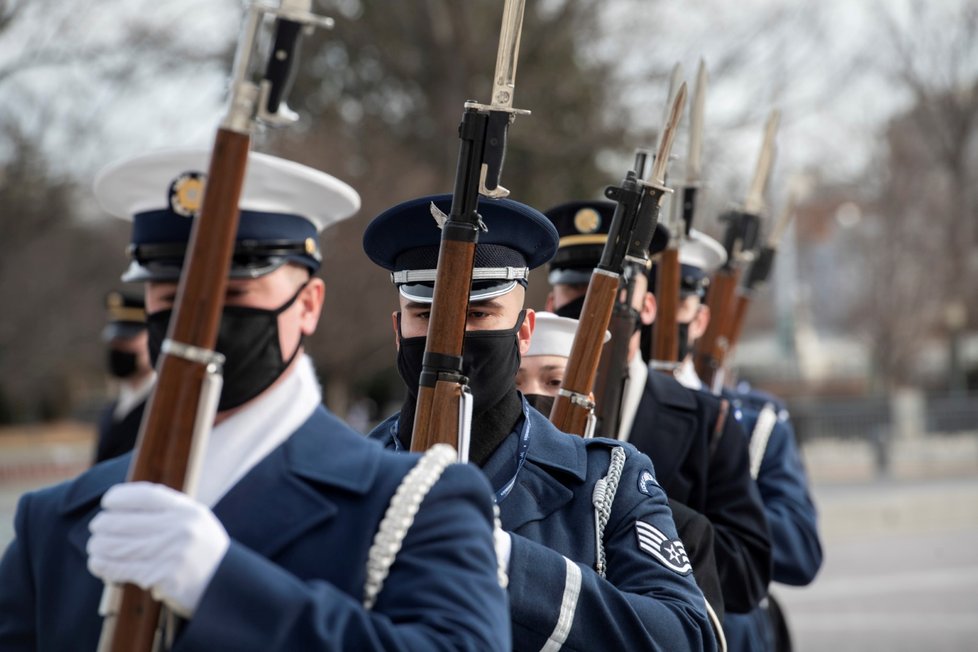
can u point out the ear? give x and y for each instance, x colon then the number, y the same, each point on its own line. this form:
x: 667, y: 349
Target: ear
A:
x: 397, y: 336
x: 698, y: 326
x: 549, y: 305
x: 311, y: 301
x: 647, y: 314
x: 526, y: 330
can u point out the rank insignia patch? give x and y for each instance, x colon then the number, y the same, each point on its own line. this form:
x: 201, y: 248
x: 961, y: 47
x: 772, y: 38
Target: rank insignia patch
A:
x: 646, y: 481
x: 670, y: 552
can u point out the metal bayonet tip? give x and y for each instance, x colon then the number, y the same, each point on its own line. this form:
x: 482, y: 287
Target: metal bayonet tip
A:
x: 658, y: 176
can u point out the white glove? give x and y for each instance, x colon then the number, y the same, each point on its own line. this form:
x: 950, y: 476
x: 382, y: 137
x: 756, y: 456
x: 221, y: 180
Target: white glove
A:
x: 158, y: 539
x: 504, y: 547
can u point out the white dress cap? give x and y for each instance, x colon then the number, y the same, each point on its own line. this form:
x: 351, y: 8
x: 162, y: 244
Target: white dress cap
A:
x: 701, y: 251
x: 272, y: 185
x: 554, y: 335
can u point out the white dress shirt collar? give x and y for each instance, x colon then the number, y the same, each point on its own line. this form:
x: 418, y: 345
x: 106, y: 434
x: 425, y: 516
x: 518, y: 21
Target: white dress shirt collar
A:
x: 242, y: 440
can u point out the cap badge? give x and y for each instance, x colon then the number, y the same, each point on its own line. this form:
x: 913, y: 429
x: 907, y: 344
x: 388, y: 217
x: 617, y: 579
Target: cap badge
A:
x: 438, y: 214
x: 587, y: 220
x: 187, y: 194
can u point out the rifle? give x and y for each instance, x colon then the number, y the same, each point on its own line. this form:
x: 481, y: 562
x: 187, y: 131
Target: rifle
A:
x: 183, y: 404
x: 739, y: 241
x: 760, y: 269
x: 665, y: 331
x: 630, y: 234
x: 609, y: 384
x: 444, y: 404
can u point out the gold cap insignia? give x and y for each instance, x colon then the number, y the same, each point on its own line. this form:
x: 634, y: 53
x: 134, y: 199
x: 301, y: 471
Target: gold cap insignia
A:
x: 587, y: 220
x: 187, y: 194
x: 311, y: 246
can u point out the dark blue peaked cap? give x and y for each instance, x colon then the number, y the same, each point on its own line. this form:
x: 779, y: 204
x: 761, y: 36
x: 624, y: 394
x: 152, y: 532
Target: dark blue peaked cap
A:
x: 405, y: 240
x: 125, y: 316
x: 583, y: 227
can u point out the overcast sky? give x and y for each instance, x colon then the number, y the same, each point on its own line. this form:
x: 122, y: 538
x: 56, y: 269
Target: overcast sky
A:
x: 812, y: 62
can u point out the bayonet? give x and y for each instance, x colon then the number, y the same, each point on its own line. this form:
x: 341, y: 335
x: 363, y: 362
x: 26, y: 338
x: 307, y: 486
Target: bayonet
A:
x: 658, y: 176
x: 754, y: 204
x: 443, y: 410
x: 694, y: 165
x: 666, y: 335
x: 675, y: 79
x: 784, y: 218
x: 500, y: 109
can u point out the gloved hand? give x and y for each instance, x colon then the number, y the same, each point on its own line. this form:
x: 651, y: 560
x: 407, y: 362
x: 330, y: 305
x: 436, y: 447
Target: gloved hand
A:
x: 159, y: 539
x: 504, y: 548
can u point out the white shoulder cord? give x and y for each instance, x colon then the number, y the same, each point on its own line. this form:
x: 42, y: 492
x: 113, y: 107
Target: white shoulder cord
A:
x: 400, y: 516
x: 603, y: 498
x: 763, y: 428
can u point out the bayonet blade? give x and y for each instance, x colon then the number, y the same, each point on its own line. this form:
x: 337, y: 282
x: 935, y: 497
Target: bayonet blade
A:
x: 658, y: 176
x: 694, y: 165
x: 675, y: 79
x: 754, y: 203
x: 781, y: 224
x: 504, y: 81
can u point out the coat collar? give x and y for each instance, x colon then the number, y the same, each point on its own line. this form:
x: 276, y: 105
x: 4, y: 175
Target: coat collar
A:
x: 541, y: 486
x: 551, y: 448
x: 669, y: 391
x: 276, y: 501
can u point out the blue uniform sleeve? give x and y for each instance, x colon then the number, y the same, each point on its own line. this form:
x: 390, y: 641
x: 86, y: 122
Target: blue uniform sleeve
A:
x: 17, y: 594
x: 641, y: 605
x: 734, y: 506
x: 790, y: 511
x: 442, y: 592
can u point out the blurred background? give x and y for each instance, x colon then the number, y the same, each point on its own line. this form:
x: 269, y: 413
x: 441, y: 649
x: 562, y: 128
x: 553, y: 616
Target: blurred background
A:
x: 868, y: 327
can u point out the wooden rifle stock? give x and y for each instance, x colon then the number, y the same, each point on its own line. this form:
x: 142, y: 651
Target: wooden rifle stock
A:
x: 712, y: 348
x: 571, y: 414
x: 665, y: 330
x: 437, y: 411
x: 738, y: 316
x: 166, y: 435
x: 482, y: 133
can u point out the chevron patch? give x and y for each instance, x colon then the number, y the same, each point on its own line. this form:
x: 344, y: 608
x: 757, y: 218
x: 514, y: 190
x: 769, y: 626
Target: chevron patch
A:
x: 670, y: 552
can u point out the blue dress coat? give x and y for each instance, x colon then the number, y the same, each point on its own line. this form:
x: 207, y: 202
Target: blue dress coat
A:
x: 701, y: 459
x: 301, y: 523
x: 790, y: 512
x: 117, y: 437
x: 642, y: 604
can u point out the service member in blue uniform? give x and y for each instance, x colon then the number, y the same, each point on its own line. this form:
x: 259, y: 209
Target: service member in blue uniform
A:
x: 777, y: 466
x: 540, y: 377
x: 775, y: 461
x: 271, y: 552
x: 128, y: 362
x: 618, y: 581
x: 698, y: 448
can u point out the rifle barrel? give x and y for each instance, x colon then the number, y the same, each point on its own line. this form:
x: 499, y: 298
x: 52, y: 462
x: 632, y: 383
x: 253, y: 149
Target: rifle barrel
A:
x: 166, y: 433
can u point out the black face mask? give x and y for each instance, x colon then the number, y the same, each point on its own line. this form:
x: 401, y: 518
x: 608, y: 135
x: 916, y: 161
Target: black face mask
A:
x: 683, y: 340
x: 571, y: 309
x: 248, y: 340
x: 490, y: 360
x: 542, y: 403
x: 121, y: 364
